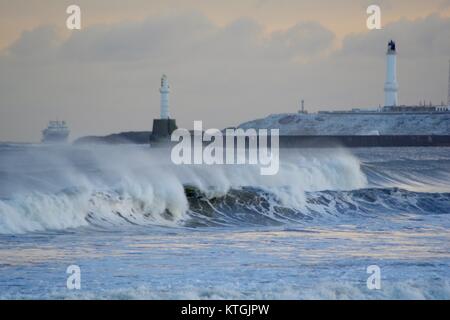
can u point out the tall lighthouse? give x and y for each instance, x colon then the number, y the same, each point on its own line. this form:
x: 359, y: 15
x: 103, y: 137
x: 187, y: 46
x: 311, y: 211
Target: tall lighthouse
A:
x: 164, y: 126
x: 391, y: 86
x: 164, y: 90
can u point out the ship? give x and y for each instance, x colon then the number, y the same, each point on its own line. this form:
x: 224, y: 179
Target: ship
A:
x: 56, y: 132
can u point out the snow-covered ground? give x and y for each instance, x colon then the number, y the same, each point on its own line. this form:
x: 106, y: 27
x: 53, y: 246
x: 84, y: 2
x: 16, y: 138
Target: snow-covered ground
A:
x: 354, y: 124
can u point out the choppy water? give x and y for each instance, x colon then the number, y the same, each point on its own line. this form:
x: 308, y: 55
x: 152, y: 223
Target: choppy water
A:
x: 140, y: 228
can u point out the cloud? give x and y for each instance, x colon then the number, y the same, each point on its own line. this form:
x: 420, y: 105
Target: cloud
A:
x: 174, y: 36
x: 37, y: 42
x: 105, y: 78
x: 421, y: 38
x: 303, y: 39
x: 445, y: 4
x: 151, y: 38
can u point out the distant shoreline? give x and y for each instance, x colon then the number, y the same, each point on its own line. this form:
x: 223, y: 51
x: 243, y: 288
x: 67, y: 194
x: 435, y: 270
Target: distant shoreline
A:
x: 130, y: 137
x: 298, y: 141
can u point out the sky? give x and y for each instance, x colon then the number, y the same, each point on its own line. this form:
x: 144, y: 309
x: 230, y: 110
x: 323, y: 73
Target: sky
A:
x: 228, y: 61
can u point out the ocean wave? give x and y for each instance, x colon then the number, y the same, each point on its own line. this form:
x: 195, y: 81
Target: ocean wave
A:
x: 102, y: 186
x: 426, y: 289
x: 244, y: 207
x: 115, y: 187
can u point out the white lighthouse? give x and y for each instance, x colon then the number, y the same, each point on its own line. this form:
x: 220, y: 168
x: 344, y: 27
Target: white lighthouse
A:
x: 164, y: 126
x: 391, y: 86
x: 164, y: 90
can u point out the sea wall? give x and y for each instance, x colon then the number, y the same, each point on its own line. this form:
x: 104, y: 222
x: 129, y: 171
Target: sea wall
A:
x: 291, y: 141
x: 365, y: 141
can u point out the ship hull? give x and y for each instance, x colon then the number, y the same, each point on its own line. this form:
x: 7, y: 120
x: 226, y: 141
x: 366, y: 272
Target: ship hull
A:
x: 55, y: 138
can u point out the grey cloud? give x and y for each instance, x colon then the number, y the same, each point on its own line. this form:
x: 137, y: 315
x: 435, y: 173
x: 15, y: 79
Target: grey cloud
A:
x: 190, y: 35
x: 38, y: 42
x: 307, y: 39
x: 422, y: 38
x: 105, y: 78
x: 137, y: 40
x: 445, y: 4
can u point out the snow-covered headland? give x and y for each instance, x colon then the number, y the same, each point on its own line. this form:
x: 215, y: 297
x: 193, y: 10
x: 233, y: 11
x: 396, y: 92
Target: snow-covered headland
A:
x: 355, y: 123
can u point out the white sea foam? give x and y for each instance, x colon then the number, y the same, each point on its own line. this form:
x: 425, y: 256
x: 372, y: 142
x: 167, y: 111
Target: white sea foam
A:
x: 325, y: 290
x: 141, y: 186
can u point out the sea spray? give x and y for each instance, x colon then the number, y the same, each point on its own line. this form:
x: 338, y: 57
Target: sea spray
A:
x: 119, y: 185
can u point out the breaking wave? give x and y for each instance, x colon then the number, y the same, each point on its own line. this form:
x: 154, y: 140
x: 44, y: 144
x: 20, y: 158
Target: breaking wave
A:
x: 109, y: 188
x: 438, y: 289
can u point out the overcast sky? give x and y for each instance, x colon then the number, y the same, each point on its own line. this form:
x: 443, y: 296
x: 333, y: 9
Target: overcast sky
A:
x: 228, y: 61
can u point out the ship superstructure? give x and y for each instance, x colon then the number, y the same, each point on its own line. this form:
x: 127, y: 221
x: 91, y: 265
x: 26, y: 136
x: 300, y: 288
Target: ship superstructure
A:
x: 56, y: 132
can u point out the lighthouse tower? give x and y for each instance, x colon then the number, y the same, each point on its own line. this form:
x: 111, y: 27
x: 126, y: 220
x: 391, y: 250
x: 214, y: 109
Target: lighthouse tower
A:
x: 391, y: 86
x: 164, y: 126
x: 164, y: 90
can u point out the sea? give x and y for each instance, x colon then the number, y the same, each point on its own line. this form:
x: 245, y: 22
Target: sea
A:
x: 124, y: 222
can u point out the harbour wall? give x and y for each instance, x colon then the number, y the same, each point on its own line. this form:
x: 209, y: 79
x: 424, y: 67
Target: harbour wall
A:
x: 291, y: 141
